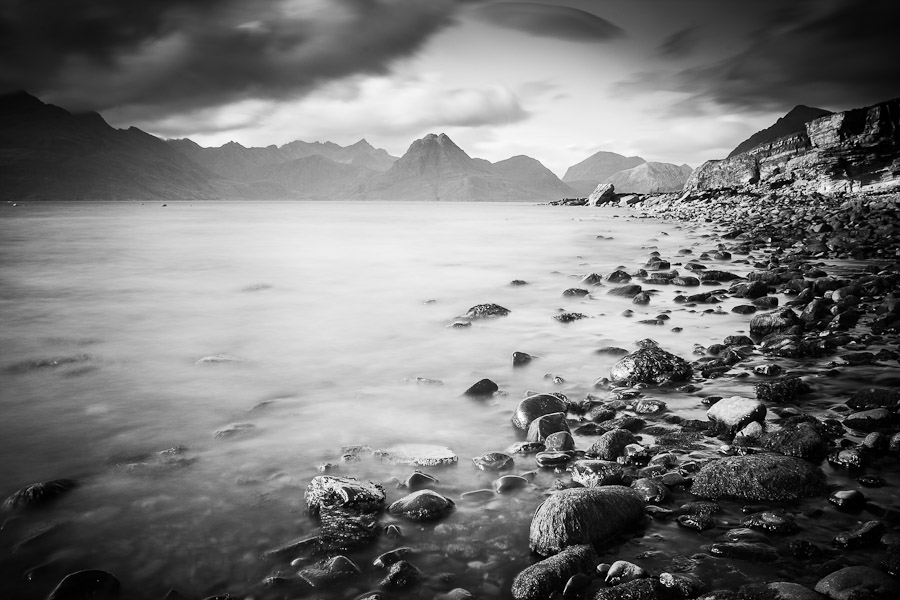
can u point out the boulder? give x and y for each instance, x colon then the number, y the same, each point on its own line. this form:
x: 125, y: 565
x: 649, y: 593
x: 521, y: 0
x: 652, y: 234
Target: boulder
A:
x: 481, y: 388
x: 650, y: 365
x: 544, y: 578
x: 536, y: 406
x: 735, y: 412
x: 779, y: 590
x: 859, y: 582
x: 344, y: 492
x: 801, y: 439
x: 611, y: 444
x: 595, y: 473
x: 401, y: 575
x: 774, y: 321
x: 765, y: 477
x: 583, y: 516
x: 424, y: 505
x: 486, y: 311
x: 544, y: 425
x: 603, y: 193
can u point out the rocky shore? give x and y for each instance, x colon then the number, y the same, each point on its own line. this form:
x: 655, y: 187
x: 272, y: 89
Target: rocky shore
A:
x: 783, y: 488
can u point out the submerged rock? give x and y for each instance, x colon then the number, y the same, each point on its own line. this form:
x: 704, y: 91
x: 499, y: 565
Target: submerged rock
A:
x: 543, y: 579
x: 768, y: 477
x: 850, y: 583
x: 650, y: 365
x: 419, y: 455
x: 583, y: 516
x: 39, y: 493
x: 424, y: 505
x: 493, y: 461
x: 91, y: 583
x: 484, y: 387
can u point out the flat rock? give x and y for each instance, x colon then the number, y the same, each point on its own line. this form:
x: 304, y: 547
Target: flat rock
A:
x: 424, y: 505
x: 650, y: 365
x: 859, y: 582
x: 544, y: 578
x: 735, y: 413
x: 583, y: 516
x: 768, y: 477
x: 419, y: 455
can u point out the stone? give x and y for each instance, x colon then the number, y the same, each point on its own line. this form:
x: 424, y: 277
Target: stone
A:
x: 595, y: 473
x: 424, y: 505
x: 603, y: 193
x: 623, y: 571
x: 330, y: 572
x: 617, y: 276
x: 486, y: 311
x: 874, y: 398
x: 418, y: 480
x: 575, y: 293
x: 544, y: 425
x: 772, y: 521
x: 90, y: 583
x: 482, y: 388
x: 651, y: 365
x: 638, y: 589
x: 775, y: 321
x: 626, y: 291
x: 851, y: 583
x: 869, y: 533
x: 400, y: 576
x: 568, y: 317
x: 535, y: 406
x: 391, y: 556
x: 650, y: 490
x: 752, y: 551
x: 493, y: 461
x: 848, y: 499
x: 520, y: 359
x: 583, y: 516
x: 611, y: 444
x: 544, y: 578
x: 802, y: 439
x: 217, y: 359
x: 698, y: 522
x: 783, y: 390
x: 735, y: 412
x: 559, y: 441
x: 38, y: 494
x: 419, y: 455
x: 553, y: 458
x: 509, y: 483
x: 779, y: 590
x: 765, y: 477
x: 867, y: 420
x: 343, y: 492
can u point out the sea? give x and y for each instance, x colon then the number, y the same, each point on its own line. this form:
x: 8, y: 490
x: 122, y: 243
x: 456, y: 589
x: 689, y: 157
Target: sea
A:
x: 192, y: 366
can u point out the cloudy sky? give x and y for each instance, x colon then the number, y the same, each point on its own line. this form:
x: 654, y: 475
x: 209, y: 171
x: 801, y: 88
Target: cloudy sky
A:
x: 677, y: 81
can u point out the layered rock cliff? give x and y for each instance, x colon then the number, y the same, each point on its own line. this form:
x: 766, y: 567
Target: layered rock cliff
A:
x: 856, y: 150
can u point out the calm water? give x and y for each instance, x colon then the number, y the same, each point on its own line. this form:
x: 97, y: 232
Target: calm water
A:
x: 328, y: 309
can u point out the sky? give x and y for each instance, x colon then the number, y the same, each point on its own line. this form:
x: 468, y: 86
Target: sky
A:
x: 679, y: 81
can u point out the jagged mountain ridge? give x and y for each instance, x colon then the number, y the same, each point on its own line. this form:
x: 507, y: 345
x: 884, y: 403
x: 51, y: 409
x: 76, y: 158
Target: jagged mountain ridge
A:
x: 793, y: 122
x: 854, y: 150
x: 596, y: 168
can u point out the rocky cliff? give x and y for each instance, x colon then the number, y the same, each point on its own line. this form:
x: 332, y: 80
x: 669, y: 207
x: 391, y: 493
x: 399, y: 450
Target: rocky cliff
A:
x: 856, y: 150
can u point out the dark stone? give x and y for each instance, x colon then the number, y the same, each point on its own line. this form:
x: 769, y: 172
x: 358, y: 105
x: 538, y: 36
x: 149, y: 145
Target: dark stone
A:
x: 769, y: 477
x: 859, y: 583
x: 544, y: 425
x: 784, y: 390
x: 559, y: 441
x: 867, y: 420
x: 400, y: 576
x: 696, y: 522
x: 520, y: 359
x: 595, y: 473
x: 637, y: 589
x: 575, y: 293
x: 568, y: 317
x: 326, y: 491
x: 868, y: 533
x: 650, y: 365
x: 874, y: 398
x: 391, y: 556
x: 553, y: 459
x: 38, y: 494
x: 544, y: 578
x: 329, y: 572
x: 752, y: 551
x: 91, y: 583
x: 611, y: 444
x: 424, y: 505
x: 772, y: 521
x: 847, y: 499
x: 775, y: 321
x: 626, y: 291
x: 486, y: 311
x: 618, y: 276
x: 583, y: 516
x: 418, y: 480
x: 493, y: 461
x: 482, y: 388
x: 536, y: 406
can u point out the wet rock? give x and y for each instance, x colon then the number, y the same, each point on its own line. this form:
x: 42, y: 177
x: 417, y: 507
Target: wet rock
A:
x: 544, y: 425
x: 768, y: 477
x: 626, y: 291
x: 493, y: 461
x: 683, y: 585
x: 217, y: 359
x: 848, y: 499
x: 773, y: 521
x: 520, y: 359
x: 38, y: 494
x: 650, y: 490
x: 595, y: 473
x: 455, y: 594
x: 784, y: 390
x: 509, y: 483
x: 868, y: 533
x: 852, y: 583
x: 617, y: 276
x: 553, y: 458
x: 401, y: 575
x: 526, y: 448
x: 651, y: 365
x: 568, y: 317
x: 751, y: 290
x: 486, y: 311
x: 424, y: 505
x: 797, y: 437
x: 752, y: 551
x: 639, y: 589
x: 686, y: 281
x: 482, y: 388
x: 699, y: 522
x: 874, y: 398
x: 779, y: 590
x: 418, y: 480
x: 344, y: 492
x: 575, y: 293
x: 536, y: 406
x: 848, y: 458
x: 419, y: 455
x: 91, y: 583
x: 642, y: 298
x: 622, y: 571
x: 390, y: 557
x: 544, y: 578
x: 735, y: 413
x: 611, y: 444
x: 583, y: 516
x: 775, y: 321
x: 561, y: 441
x: 330, y: 572
x: 649, y: 406
x: 867, y: 420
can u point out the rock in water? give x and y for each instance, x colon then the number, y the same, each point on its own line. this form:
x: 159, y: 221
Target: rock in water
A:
x: 419, y: 455
x: 545, y: 425
x: 330, y: 572
x: 486, y: 311
x: 650, y: 365
x: 603, y: 193
x: 543, y: 578
x: 859, y: 582
x: 424, y: 505
x: 536, y: 406
x: 401, y: 575
x: 583, y: 516
x: 343, y: 492
x: 735, y: 413
x: 37, y: 494
x: 91, y: 583
x: 767, y: 477
x: 775, y: 321
x: 479, y: 389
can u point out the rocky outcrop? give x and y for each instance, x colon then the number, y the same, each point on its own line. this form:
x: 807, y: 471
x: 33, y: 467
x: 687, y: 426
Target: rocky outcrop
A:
x: 650, y: 178
x: 771, y: 477
x: 856, y: 150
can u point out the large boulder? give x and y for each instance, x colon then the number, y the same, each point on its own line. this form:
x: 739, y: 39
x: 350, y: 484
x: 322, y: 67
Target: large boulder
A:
x: 774, y: 321
x: 343, y: 492
x: 603, y: 193
x: 546, y: 425
x: 859, y: 582
x: 424, y: 505
x: 735, y: 413
x: 542, y: 579
x: 765, y: 477
x: 611, y: 444
x: 650, y: 365
x: 535, y: 406
x: 583, y: 516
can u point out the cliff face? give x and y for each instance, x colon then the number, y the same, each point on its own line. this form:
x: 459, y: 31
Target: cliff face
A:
x: 856, y: 150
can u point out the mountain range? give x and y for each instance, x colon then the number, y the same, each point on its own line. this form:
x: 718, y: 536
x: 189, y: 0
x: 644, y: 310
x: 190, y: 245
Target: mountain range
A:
x: 49, y: 153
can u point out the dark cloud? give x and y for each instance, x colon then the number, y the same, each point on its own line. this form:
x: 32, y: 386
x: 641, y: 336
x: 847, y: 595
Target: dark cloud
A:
x: 834, y: 55
x: 679, y: 44
x: 172, y: 55
x: 561, y: 22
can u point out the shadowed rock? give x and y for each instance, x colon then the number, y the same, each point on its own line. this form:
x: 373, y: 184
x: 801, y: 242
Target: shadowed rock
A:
x: 545, y: 425
x: 91, y: 583
x: 543, y: 578
x: 583, y: 516
x: 611, y: 444
x: 536, y: 406
x: 650, y: 365
x: 859, y: 582
x: 769, y: 477
x: 37, y: 494
x: 481, y: 388
x: 775, y: 321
